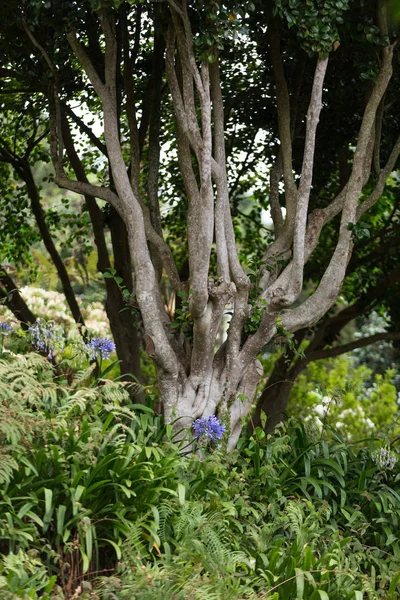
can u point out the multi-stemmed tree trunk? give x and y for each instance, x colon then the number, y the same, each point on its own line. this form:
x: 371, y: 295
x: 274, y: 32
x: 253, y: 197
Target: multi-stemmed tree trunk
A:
x: 199, y: 375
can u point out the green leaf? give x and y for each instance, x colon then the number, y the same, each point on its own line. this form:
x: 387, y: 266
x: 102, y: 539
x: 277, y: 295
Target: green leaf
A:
x: 89, y: 542
x: 60, y: 512
x: 263, y: 419
x: 110, y: 273
x: 48, y: 511
x: 114, y: 545
x: 35, y: 518
x: 299, y: 584
x: 181, y: 493
x: 332, y: 464
x: 319, y: 594
x: 85, y: 560
x: 394, y: 583
x: 108, y: 369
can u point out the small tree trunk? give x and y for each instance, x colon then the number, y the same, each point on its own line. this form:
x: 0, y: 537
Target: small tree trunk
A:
x: 23, y: 168
x: 126, y: 336
x: 12, y: 299
x: 125, y: 333
x: 275, y: 396
x: 39, y: 215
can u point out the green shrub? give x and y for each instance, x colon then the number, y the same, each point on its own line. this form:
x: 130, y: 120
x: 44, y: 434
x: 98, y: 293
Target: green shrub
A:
x: 294, y: 516
x: 337, y: 392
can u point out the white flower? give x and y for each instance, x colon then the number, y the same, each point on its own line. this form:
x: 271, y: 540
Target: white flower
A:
x: 318, y: 423
x: 320, y: 410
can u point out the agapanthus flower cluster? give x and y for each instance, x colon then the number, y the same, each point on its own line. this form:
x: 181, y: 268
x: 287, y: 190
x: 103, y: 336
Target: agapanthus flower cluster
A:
x: 210, y: 428
x: 100, y: 347
x: 47, y: 337
x: 5, y: 328
x: 384, y: 458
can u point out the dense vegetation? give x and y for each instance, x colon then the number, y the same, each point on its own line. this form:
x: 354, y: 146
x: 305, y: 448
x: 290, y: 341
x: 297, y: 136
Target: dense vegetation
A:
x: 101, y: 500
x: 199, y: 300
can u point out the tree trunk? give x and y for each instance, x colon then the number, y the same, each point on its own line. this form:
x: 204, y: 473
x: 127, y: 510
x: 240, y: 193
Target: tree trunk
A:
x: 275, y: 396
x: 12, y: 299
x: 125, y: 333
x: 197, y: 382
x: 39, y: 215
x: 228, y: 397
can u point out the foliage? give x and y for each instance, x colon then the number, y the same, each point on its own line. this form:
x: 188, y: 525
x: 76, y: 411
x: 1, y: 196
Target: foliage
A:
x: 341, y: 394
x: 316, y: 23
x: 94, y: 479
x: 63, y: 445
x: 287, y: 517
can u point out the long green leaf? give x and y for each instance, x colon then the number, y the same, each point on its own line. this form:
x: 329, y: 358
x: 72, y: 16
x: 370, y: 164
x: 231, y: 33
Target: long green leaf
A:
x: 60, y: 512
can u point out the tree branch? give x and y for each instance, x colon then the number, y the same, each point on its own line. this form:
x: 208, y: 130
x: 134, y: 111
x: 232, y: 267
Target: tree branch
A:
x: 292, y: 282
x: 85, y: 129
x: 154, y: 128
x: 283, y: 109
x: 319, y: 303
x: 381, y: 182
x: 86, y: 63
x: 148, y: 293
x: 350, y: 346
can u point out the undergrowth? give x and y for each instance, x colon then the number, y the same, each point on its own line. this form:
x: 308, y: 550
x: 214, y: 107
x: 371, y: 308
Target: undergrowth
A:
x: 98, y: 502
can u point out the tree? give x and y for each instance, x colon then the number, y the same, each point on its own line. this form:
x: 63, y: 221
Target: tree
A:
x: 56, y: 51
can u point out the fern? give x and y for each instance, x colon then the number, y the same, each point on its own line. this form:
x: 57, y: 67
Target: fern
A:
x: 8, y: 464
x: 165, y: 511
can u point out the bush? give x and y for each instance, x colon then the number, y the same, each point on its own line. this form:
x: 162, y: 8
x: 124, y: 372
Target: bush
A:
x: 339, y: 393
x: 291, y: 516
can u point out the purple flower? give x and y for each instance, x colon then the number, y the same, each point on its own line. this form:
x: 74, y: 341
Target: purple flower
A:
x: 100, y: 347
x: 46, y: 337
x: 210, y: 428
x: 384, y: 458
x: 5, y: 327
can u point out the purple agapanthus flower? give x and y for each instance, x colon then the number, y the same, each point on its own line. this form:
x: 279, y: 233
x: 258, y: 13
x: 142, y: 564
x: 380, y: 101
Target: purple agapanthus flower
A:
x: 5, y: 327
x: 100, y: 346
x: 47, y: 337
x: 210, y: 428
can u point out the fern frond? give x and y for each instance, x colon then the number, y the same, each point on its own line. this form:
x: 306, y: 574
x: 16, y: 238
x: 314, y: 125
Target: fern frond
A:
x: 8, y: 465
